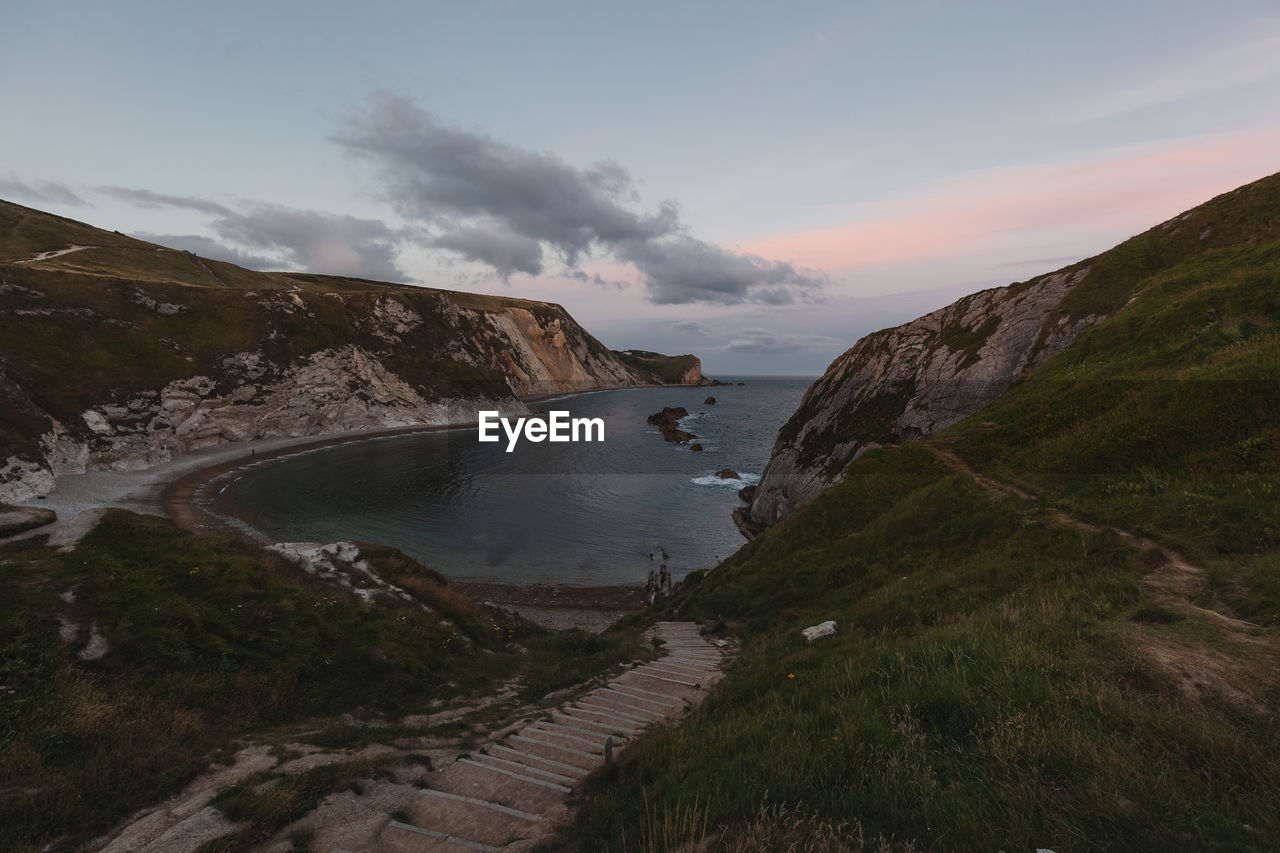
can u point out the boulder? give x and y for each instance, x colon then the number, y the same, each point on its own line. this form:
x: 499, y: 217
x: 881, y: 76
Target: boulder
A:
x: 817, y: 632
x: 710, y: 401
x: 696, y: 447
x: 728, y: 474
x: 668, y: 422
x: 747, y: 493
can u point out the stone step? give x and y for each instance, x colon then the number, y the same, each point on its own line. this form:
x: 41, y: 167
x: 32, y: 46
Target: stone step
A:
x: 609, y: 697
x: 642, y: 673
x: 523, y: 777
x: 401, y: 837
x: 474, y: 819
x: 665, y: 697
x: 610, y: 704
x: 587, y: 735
x: 469, y: 778
x: 559, y: 735
x: 665, y: 706
x: 547, y: 743
x: 560, y: 742
x: 531, y: 760
x: 603, y: 728
x: 593, y: 703
x: 527, y: 769
x: 539, y: 749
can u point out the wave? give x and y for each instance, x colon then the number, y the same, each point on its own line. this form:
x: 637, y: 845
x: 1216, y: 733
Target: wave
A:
x: 713, y: 480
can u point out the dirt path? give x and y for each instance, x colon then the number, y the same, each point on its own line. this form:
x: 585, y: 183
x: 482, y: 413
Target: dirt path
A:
x: 1175, y: 575
x: 1233, y: 664
x: 56, y: 253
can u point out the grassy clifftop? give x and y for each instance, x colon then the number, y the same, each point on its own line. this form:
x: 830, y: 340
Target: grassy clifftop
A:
x: 207, y: 642
x: 1010, y: 672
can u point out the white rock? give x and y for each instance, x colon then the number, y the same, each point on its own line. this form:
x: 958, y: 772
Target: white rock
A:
x: 817, y: 632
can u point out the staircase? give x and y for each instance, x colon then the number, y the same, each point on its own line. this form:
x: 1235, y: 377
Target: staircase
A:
x: 511, y: 793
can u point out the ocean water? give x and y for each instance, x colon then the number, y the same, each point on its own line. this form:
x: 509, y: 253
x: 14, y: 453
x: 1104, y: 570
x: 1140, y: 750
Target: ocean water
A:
x: 574, y: 513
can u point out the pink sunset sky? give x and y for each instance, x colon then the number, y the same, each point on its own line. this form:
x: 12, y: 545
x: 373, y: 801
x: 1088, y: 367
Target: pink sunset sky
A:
x: 755, y: 183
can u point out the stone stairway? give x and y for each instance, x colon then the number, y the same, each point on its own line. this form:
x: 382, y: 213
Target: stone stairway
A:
x: 511, y: 793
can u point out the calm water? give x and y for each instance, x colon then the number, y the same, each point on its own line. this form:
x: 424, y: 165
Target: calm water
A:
x: 574, y: 513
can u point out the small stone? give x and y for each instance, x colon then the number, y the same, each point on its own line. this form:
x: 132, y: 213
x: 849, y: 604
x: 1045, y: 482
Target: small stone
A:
x: 817, y: 632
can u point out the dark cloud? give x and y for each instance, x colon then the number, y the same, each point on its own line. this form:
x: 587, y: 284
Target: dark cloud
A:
x: 461, y: 183
x: 691, y: 327
x: 318, y: 242
x: 207, y: 247
x: 495, y: 245
x: 683, y: 269
x: 765, y: 341
x: 267, y: 236
x: 147, y: 198
x: 39, y: 192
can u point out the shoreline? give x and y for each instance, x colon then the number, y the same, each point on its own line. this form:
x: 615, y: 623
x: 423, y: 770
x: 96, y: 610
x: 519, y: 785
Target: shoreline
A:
x: 171, y: 489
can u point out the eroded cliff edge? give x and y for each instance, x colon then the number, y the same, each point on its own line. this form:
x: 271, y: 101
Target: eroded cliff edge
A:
x: 122, y: 354
x: 904, y: 383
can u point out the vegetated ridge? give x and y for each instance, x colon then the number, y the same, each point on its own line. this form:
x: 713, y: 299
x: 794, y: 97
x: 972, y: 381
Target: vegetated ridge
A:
x: 119, y: 353
x: 906, y: 382
x: 1058, y: 619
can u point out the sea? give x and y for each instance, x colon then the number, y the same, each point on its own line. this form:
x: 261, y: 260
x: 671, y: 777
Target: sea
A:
x: 579, y: 514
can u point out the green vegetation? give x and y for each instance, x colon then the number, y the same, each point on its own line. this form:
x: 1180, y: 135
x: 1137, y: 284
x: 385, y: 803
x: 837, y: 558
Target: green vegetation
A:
x: 210, y: 640
x: 668, y: 369
x: 1009, y: 673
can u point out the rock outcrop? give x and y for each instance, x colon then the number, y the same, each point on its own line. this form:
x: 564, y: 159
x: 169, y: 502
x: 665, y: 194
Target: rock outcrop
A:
x: 171, y: 352
x: 904, y: 383
x: 668, y: 423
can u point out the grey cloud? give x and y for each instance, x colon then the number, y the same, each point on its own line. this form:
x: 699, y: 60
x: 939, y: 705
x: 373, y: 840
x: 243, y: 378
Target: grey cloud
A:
x: 692, y: 327
x: 460, y: 182
x: 40, y: 192
x: 326, y: 243
x: 683, y: 269
x: 207, y: 247
x: 319, y: 242
x: 147, y: 198
x: 495, y: 245
x: 765, y: 341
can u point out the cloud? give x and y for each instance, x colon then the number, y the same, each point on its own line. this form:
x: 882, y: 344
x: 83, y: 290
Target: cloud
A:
x: 691, y: 327
x: 495, y: 245
x: 683, y: 269
x: 40, y: 192
x: 764, y: 341
x: 463, y: 184
x: 207, y: 247
x: 327, y: 243
x: 1216, y: 71
x: 147, y: 198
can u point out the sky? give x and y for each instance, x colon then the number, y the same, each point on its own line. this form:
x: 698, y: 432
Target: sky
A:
x: 757, y: 183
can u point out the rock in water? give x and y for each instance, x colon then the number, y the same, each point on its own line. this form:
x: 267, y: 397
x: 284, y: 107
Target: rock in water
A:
x: 728, y: 474
x: 747, y: 493
x: 696, y: 447
x: 668, y: 422
x: 710, y: 401
x: 817, y: 632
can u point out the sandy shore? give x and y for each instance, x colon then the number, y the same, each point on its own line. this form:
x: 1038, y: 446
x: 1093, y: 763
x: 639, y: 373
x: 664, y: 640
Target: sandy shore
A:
x: 171, y: 488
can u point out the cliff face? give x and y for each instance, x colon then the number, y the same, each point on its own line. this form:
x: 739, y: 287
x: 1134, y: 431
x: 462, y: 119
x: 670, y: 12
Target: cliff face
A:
x: 904, y: 383
x: 124, y: 371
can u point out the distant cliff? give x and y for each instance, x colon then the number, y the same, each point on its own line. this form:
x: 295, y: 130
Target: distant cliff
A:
x: 904, y: 383
x: 120, y: 354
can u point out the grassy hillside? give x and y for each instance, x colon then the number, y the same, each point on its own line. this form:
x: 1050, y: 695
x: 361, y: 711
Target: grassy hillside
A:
x: 207, y: 641
x: 1009, y: 672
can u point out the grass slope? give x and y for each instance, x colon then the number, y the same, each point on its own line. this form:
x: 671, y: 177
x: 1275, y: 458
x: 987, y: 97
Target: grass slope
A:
x: 211, y: 640
x: 1004, y: 678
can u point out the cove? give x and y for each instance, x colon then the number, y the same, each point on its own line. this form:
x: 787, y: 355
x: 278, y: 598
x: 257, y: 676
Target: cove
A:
x: 584, y: 514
